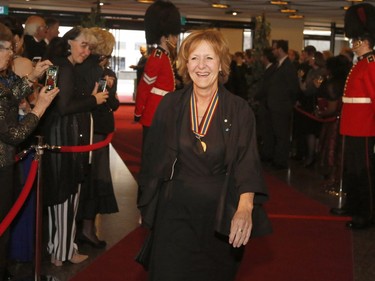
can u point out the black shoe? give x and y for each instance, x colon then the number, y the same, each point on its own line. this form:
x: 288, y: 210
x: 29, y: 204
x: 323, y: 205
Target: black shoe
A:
x: 358, y: 223
x: 266, y: 159
x: 339, y: 212
x: 85, y: 240
x: 309, y: 164
x: 277, y: 166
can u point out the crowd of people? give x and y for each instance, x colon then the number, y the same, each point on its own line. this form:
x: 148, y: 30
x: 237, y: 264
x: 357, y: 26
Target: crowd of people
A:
x: 49, y: 87
x: 297, y: 102
x: 201, y: 187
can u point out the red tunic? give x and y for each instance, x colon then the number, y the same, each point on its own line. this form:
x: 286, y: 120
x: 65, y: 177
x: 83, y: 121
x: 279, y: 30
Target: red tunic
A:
x: 358, y: 110
x: 157, y: 80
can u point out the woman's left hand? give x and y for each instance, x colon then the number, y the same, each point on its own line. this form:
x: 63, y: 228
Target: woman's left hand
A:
x: 242, y: 223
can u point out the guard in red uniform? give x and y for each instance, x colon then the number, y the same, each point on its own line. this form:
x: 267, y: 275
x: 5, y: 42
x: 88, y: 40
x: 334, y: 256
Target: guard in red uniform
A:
x: 358, y: 120
x: 162, y: 26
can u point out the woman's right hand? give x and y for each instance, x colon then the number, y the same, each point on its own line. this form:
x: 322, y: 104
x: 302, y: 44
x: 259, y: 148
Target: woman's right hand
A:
x: 39, y: 69
x: 44, y: 99
x: 101, y: 97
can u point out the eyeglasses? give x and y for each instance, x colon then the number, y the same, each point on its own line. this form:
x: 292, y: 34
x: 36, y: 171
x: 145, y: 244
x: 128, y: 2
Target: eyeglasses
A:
x: 3, y: 48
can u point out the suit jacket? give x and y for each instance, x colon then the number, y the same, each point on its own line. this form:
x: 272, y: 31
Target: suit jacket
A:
x: 283, y: 88
x: 34, y: 48
x: 244, y: 172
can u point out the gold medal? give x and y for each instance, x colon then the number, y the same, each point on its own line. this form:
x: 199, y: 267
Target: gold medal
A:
x: 200, y: 129
x: 204, y: 146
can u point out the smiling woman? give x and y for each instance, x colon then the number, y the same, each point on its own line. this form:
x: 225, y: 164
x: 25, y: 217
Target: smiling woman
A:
x: 201, y: 146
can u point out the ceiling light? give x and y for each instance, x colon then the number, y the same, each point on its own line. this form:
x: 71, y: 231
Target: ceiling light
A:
x: 356, y: 1
x: 296, y: 17
x: 279, y: 2
x: 219, y: 6
x: 233, y: 13
x: 288, y: 11
x: 145, y: 1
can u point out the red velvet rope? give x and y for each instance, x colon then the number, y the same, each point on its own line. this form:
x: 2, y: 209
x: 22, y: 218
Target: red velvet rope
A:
x: 31, y: 177
x: 86, y: 148
x: 312, y: 116
x: 303, y: 217
x: 21, y: 198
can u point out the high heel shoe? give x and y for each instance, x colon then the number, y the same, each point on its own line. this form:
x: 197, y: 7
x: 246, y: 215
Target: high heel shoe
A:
x: 100, y: 244
x: 78, y: 258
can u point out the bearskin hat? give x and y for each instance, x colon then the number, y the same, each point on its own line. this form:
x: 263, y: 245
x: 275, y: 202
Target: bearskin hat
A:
x: 359, y: 21
x: 161, y: 18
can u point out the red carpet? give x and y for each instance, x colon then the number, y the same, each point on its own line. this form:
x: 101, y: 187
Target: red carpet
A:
x: 307, y: 247
x: 127, y: 139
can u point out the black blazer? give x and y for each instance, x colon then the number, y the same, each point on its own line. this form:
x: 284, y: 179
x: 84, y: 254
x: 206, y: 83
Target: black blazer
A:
x: 244, y: 172
x: 283, y: 87
x: 34, y: 48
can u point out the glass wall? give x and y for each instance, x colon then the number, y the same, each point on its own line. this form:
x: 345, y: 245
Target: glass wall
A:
x: 320, y: 38
x: 125, y: 54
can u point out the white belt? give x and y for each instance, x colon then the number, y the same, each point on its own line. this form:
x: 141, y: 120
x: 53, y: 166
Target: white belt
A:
x: 356, y: 100
x: 159, y: 92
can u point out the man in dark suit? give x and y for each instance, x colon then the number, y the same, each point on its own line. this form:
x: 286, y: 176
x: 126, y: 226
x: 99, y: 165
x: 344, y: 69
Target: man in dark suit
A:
x: 35, y: 33
x: 281, y: 94
x: 268, y: 60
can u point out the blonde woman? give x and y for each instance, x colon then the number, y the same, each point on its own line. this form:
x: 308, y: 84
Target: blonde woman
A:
x: 97, y: 195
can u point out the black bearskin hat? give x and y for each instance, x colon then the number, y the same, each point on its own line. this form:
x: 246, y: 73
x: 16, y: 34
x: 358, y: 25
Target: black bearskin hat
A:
x: 360, y: 21
x: 161, y: 18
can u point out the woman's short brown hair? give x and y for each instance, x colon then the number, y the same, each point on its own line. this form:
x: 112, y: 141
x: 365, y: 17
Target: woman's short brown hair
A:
x: 5, y: 34
x: 215, y: 39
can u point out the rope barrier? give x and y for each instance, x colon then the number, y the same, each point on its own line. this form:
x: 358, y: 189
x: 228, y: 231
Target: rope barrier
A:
x: 86, y: 148
x: 312, y: 116
x: 33, y: 171
x: 303, y: 217
x: 21, y: 198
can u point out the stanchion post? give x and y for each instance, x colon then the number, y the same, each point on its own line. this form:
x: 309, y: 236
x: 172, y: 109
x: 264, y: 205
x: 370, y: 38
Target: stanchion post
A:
x: 39, y: 211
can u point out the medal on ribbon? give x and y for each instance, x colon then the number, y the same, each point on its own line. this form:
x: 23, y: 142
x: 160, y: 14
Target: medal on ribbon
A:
x: 200, y: 129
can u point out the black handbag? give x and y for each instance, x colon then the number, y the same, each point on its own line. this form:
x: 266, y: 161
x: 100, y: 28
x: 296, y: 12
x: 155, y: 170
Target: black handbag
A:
x: 143, y: 256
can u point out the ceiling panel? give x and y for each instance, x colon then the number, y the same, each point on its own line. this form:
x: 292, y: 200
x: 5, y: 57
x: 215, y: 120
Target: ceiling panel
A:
x: 312, y: 10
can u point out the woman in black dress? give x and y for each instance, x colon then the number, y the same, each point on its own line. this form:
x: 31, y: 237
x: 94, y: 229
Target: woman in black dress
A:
x: 67, y: 123
x: 97, y: 194
x: 200, y: 153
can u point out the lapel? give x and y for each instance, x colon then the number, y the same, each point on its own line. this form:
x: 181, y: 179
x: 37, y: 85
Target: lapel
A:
x: 226, y: 121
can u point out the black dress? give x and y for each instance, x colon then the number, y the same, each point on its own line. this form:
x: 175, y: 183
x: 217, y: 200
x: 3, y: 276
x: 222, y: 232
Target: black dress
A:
x: 186, y: 246
x: 97, y: 194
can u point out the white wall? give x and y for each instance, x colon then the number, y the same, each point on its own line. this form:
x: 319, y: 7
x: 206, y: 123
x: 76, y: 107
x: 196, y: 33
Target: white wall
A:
x: 234, y: 38
x: 290, y: 30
